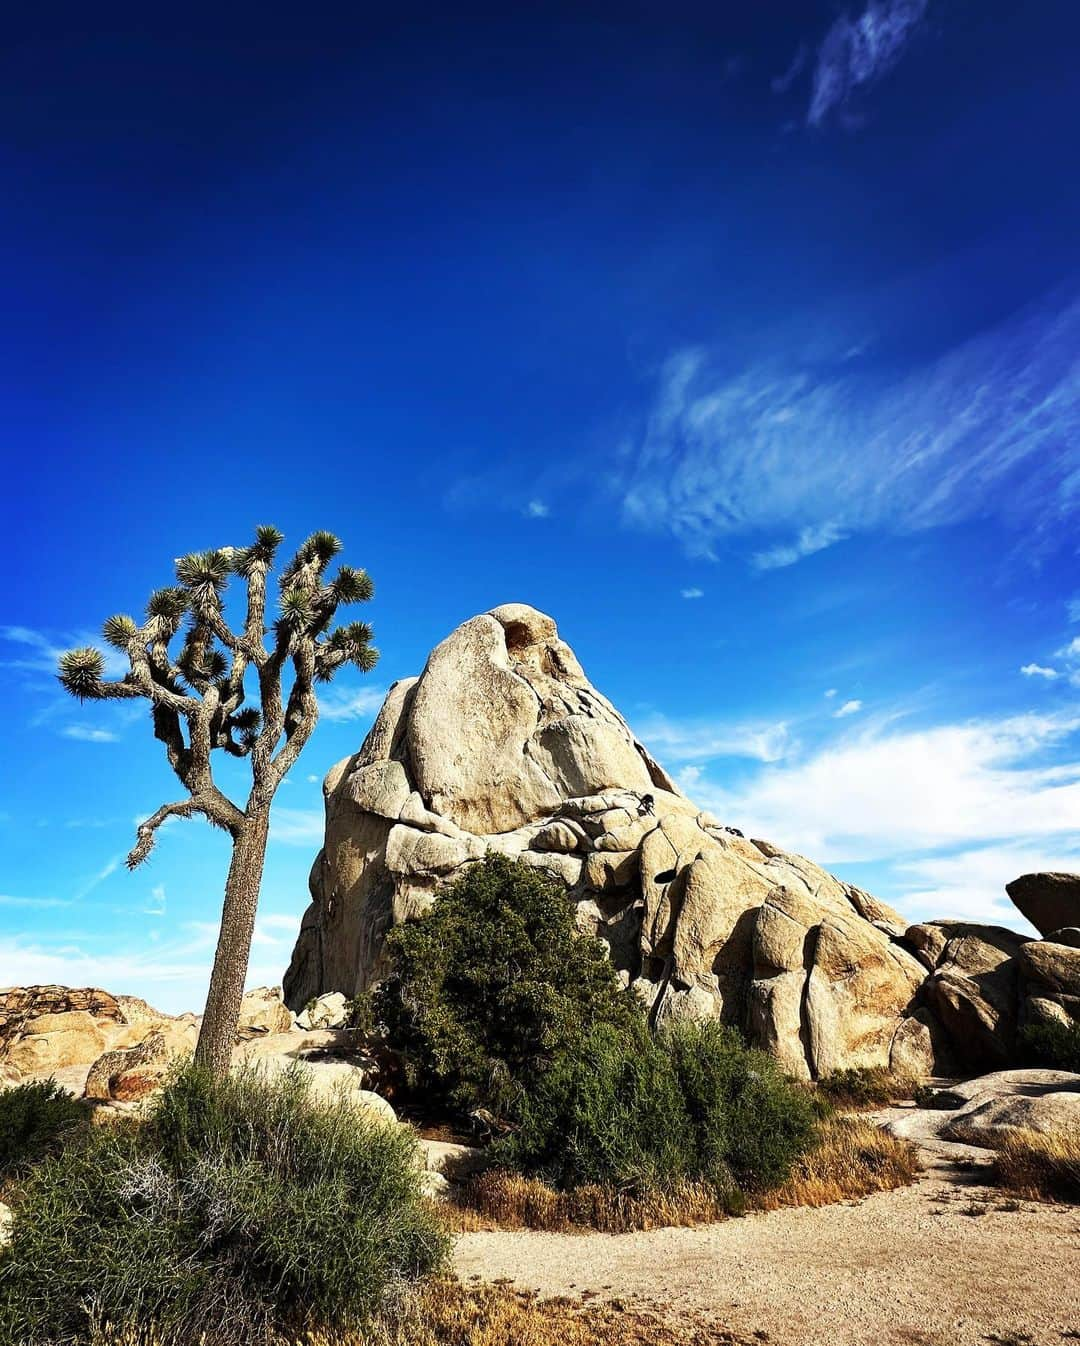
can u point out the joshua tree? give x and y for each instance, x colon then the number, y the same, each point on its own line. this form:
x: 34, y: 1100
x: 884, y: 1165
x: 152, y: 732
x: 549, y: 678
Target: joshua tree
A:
x: 197, y: 705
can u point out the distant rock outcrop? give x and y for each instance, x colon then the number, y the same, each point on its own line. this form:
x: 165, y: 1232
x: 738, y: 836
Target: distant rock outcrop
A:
x: 502, y: 744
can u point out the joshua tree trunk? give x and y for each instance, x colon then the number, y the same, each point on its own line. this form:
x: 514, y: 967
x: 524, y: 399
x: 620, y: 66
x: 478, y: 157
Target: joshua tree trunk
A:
x: 214, y: 1048
x: 198, y: 705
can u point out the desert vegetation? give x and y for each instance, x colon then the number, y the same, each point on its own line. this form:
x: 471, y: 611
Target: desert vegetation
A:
x: 199, y: 705
x: 239, y: 1211
x: 506, y: 1017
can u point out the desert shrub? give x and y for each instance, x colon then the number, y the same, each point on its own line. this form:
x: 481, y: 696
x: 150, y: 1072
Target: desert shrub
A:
x: 1056, y: 1046
x: 865, y: 1087
x: 608, y: 1112
x: 492, y: 985
x: 35, y: 1120
x: 239, y: 1211
x: 749, y: 1121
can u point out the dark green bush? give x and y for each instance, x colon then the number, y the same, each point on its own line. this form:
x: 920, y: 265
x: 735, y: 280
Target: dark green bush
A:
x: 865, y: 1087
x: 491, y: 986
x: 35, y: 1120
x: 749, y: 1121
x: 1056, y: 1046
x: 608, y: 1112
x: 239, y: 1211
x: 634, y: 1112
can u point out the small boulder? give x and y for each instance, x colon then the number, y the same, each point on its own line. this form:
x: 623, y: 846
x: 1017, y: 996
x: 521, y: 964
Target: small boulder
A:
x: 263, y: 1011
x: 326, y: 1011
x: 989, y: 1119
x: 1055, y: 966
x: 1049, y: 901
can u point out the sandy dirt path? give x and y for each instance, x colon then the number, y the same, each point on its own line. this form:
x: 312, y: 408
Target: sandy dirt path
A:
x: 941, y: 1263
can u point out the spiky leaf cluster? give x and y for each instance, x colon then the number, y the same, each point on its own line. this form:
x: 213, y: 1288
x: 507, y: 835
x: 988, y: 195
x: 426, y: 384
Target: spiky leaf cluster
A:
x: 81, y: 672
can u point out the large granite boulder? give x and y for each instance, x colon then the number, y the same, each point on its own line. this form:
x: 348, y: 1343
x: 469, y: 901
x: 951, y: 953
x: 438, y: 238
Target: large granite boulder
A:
x: 503, y: 745
x: 1049, y: 901
x: 971, y: 992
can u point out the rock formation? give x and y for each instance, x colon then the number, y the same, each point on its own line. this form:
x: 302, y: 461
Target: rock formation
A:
x: 502, y: 744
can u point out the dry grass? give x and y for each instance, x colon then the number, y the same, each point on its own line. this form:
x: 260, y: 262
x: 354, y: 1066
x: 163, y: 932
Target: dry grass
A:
x: 446, y: 1313
x: 502, y: 1200
x: 852, y: 1158
x: 1037, y: 1167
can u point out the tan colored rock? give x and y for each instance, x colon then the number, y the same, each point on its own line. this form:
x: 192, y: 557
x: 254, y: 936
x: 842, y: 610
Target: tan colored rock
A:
x: 1055, y: 966
x: 974, y: 993
x: 1049, y: 901
x: 503, y: 746
x: 263, y: 1011
x: 43, y: 1053
x: 988, y: 1119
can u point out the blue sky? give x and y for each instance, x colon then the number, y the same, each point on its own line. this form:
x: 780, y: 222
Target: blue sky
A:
x: 743, y: 343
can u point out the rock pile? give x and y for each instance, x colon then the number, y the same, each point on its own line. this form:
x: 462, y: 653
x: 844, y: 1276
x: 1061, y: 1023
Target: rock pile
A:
x: 502, y: 744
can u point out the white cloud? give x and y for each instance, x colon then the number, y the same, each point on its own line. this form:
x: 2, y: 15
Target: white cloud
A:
x: 970, y: 885
x: 1072, y: 606
x: 350, y: 703
x: 856, y: 53
x: 848, y: 708
x: 172, y: 977
x: 698, y: 740
x: 107, y: 870
x: 8, y: 900
x: 991, y: 427
x: 87, y: 734
x: 831, y: 692
x: 892, y: 794
x: 157, y: 901
x: 44, y: 650
x: 297, y: 827
x: 1038, y: 671
x: 781, y: 83
x: 536, y: 509
x: 692, y: 593
x: 810, y: 540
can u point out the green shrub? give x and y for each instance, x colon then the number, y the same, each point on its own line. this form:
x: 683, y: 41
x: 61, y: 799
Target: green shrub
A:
x: 634, y: 1112
x: 1056, y: 1046
x: 239, y: 1211
x: 866, y: 1086
x: 608, y: 1112
x: 749, y: 1121
x: 491, y: 986
x: 35, y: 1120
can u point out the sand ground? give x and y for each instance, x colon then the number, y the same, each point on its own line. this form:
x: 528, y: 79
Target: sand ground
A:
x: 945, y: 1262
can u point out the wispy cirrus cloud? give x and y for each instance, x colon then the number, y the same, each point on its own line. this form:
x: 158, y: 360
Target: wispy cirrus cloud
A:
x: 40, y: 650
x: 799, y: 460
x: 1039, y: 671
x: 89, y: 734
x: 892, y: 793
x: 856, y: 53
x: 683, y: 741
x: 350, y: 703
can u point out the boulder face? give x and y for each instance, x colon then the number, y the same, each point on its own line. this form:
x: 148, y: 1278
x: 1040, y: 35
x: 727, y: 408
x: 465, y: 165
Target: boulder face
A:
x: 1049, y: 901
x: 503, y: 745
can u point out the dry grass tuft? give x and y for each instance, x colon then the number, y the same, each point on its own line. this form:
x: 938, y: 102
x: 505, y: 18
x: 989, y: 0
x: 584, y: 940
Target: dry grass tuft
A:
x: 1037, y: 1167
x: 446, y: 1313
x: 853, y: 1157
x: 500, y: 1199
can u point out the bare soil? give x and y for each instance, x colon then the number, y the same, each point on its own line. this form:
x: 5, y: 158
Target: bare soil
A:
x: 947, y: 1261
